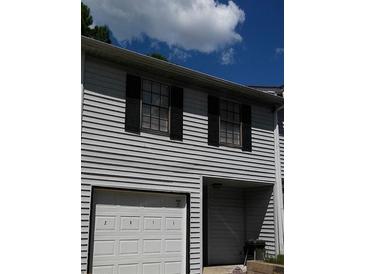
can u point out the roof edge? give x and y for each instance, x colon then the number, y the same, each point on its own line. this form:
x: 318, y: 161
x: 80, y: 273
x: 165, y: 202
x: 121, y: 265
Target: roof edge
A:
x: 89, y: 44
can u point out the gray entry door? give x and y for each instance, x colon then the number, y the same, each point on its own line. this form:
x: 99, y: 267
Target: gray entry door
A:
x: 226, y: 227
x: 139, y: 233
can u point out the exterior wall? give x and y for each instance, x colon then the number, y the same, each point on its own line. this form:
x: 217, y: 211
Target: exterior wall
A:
x: 260, y: 216
x: 112, y: 157
x: 281, y: 144
x: 235, y: 215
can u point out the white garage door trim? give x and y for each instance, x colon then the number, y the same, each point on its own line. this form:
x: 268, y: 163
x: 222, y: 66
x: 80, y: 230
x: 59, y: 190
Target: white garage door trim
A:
x: 139, y: 232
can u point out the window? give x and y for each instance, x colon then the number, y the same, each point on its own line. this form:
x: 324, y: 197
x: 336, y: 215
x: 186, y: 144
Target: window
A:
x: 155, y: 106
x: 230, y: 125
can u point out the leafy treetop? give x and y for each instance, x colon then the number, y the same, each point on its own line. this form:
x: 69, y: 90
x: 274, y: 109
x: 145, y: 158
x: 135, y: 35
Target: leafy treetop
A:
x: 100, y: 33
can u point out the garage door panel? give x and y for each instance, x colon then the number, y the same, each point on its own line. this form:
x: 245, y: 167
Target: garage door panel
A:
x: 173, y: 223
x: 104, y: 248
x: 152, y: 223
x: 173, y: 245
x: 108, y: 269
x: 128, y: 268
x: 172, y: 267
x: 130, y: 223
x: 146, y: 238
x: 152, y: 246
x: 129, y: 247
x: 105, y: 223
x: 151, y: 268
x: 109, y: 210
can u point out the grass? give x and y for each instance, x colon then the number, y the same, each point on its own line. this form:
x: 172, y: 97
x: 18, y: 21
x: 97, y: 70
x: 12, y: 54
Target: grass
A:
x: 279, y: 259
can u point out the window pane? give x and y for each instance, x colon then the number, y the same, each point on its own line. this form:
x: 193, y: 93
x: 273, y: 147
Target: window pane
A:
x: 229, y: 106
x: 155, y: 99
x: 223, y: 139
x: 164, y: 101
x: 163, y: 125
x: 163, y: 113
x: 236, y: 139
x: 223, y: 136
x: 229, y: 128
x: 146, y: 122
x: 223, y: 126
x: 229, y: 138
x: 155, y: 106
x: 236, y: 108
x: 155, y: 87
x: 165, y: 90
x: 230, y: 122
x: 155, y: 111
x: 224, y: 115
x: 146, y: 85
x: 223, y: 105
x: 146, y: 97
x: 227, y: 118
x: 146, y: 109
x: 236, y: 129
x: 154, y: 123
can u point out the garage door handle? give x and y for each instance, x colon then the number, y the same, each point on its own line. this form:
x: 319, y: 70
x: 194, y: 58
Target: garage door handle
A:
x: 130, y: 222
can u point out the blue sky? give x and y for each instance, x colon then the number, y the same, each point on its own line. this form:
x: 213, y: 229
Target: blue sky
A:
x: 241, y: 41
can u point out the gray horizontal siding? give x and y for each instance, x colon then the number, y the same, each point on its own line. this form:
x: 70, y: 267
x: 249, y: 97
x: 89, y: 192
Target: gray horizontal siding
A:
x: 281, y: 144
x: 112, y: 157
x: 260, y: 217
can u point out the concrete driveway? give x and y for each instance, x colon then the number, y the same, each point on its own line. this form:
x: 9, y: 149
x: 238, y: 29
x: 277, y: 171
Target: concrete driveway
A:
x: 224, y: 269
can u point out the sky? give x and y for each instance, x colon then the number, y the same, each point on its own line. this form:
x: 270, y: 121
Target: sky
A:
x: 240, y: 41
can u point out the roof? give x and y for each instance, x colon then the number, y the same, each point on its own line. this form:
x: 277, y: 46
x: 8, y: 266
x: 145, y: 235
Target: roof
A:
x: 276, y: 90
x: 174, y: 72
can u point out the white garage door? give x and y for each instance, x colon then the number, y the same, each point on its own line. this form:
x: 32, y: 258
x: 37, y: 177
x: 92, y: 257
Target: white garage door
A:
x: 139, y: 233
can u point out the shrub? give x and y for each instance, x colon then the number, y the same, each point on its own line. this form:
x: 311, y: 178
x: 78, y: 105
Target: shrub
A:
x: 279, y: 259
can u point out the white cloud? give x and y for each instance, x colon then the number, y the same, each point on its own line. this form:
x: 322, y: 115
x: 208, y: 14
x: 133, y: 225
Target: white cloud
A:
x: 279, y: 51
x: 202, y: 25
x: 179, y: 54
x: 227, y: 57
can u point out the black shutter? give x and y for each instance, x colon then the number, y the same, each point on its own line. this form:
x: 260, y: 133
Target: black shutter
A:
x: 133, y: 106
x: 176, y: 121
x: 246, y: 127
x: 213, y: 121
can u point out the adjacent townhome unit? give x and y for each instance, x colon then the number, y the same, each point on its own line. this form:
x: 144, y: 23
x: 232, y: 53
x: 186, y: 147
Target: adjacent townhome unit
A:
x: 179, y: 168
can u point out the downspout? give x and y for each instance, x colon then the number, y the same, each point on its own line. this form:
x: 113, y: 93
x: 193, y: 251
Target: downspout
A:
x: 82, y: 104
x: 82, y: 79
x: 278, y: 195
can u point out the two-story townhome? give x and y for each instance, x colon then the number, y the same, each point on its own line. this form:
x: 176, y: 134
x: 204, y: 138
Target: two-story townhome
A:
x: 179, y: 168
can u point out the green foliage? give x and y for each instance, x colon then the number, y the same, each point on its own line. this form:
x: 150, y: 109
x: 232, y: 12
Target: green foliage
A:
x: 159, y: 56
x: 86, y: 20
x: 276, y: 260
x: 100, y: 33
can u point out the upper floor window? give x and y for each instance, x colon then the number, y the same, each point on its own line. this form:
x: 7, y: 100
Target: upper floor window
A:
x: 155, y: 106
x: 230, y: 125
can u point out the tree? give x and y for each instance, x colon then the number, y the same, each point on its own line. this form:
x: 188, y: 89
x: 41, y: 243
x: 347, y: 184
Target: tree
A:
x: 100, y: 33
x: 158, y: 56
x: 86, y: 20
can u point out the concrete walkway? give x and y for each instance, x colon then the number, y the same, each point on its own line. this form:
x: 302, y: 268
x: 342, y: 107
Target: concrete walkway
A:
x: 224, y: 269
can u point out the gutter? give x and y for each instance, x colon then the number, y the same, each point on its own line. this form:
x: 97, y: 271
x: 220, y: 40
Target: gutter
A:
x: 174, y: 71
